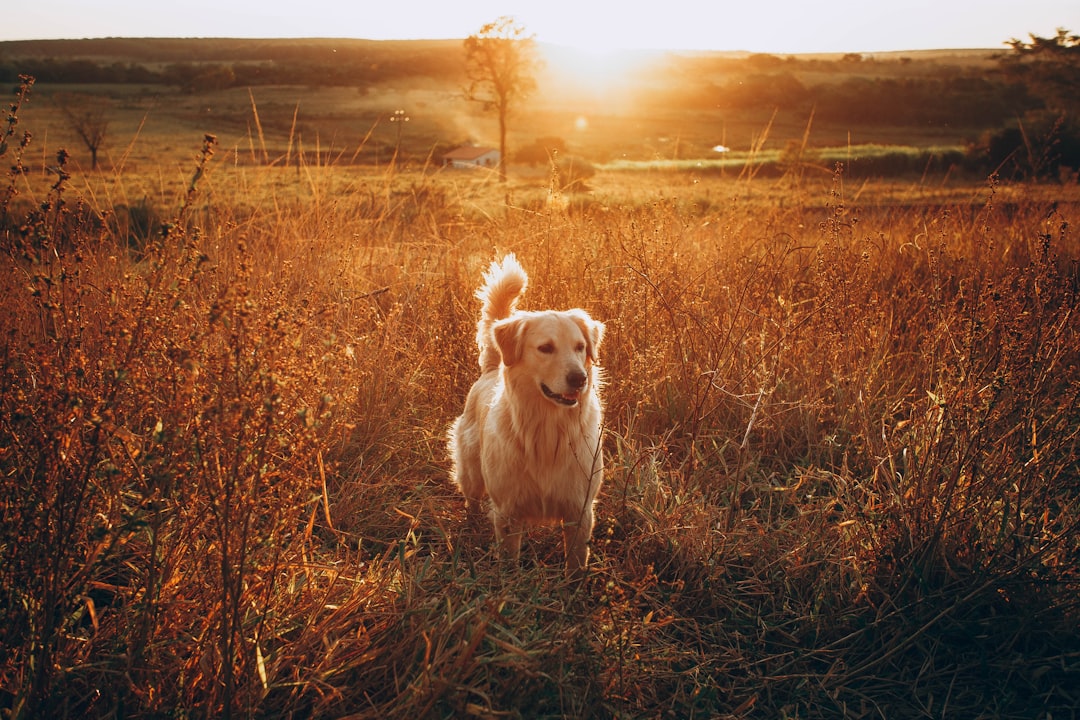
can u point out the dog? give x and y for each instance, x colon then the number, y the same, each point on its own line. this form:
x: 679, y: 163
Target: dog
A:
x: 529, y: 436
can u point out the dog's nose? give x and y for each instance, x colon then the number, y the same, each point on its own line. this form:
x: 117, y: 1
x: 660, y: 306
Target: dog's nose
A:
x: 576, y: 379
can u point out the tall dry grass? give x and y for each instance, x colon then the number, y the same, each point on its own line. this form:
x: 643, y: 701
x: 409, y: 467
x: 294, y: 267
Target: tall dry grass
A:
x: 841, y: 447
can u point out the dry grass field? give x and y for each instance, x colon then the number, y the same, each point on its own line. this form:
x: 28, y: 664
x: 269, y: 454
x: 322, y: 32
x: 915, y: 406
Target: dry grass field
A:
x: 841, y: 436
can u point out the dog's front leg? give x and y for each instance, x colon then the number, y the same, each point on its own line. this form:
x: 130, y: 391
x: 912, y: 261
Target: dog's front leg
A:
x: 576, y: 542
x: 508, y: 534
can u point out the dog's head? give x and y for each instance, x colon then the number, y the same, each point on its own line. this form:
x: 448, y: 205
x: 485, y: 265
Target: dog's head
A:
x: 555, y: 350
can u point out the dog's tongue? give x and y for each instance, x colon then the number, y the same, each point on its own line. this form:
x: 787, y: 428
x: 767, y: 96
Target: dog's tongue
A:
x: 568, y: 399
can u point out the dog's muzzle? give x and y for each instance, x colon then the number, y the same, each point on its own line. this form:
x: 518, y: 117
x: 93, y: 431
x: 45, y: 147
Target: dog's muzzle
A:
x: 575, y: 380
x: 569, y: 400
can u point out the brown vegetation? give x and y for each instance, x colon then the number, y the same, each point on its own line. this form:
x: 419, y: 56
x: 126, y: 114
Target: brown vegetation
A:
x: 841, y: 441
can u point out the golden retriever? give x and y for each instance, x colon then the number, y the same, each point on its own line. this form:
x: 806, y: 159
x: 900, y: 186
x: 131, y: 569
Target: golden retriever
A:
x: 529, y: 437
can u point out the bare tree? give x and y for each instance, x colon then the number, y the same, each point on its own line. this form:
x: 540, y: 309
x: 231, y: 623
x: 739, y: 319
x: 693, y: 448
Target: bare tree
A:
x: 88, y: 117
x: 500, y: 62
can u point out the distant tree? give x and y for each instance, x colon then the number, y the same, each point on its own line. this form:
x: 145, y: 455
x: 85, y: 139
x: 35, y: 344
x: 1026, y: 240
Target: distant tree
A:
x: 88, y: 117
x: 500, y: 63
x: 573, y: 173
x: 1049, y: 67
x: 212, y: 77
x: 765, y: 91
x: 1044, y: 142
x: 541, y: 150
x: 764, y: 61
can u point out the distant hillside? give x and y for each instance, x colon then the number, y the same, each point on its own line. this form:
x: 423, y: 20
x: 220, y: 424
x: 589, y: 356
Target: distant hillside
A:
x: 251, y: 62
x: 201, y: 50
x: 691, y: 80
x: 669, y: 105
x: 154, y: 50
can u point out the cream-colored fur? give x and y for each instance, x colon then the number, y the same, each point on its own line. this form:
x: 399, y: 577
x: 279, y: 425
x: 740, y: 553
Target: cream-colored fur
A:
x: 529, y: 437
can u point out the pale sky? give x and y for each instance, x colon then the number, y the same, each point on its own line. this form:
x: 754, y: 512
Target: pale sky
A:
x: 774, y: 26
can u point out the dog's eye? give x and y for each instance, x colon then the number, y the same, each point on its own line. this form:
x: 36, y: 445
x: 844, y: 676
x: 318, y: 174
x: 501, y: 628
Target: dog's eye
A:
x: 580, y: 347
x: 547, y: 348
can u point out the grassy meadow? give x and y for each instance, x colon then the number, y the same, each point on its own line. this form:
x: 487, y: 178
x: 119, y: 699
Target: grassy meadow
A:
x: 842, y: 416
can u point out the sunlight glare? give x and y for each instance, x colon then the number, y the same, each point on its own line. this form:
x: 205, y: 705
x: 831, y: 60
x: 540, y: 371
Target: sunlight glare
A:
x: 597, y: 68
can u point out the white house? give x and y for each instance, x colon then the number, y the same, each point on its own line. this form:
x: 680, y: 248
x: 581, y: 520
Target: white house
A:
x: 469, y: 156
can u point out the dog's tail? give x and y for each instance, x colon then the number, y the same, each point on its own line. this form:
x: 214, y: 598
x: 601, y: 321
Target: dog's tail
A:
x: 503, y: 284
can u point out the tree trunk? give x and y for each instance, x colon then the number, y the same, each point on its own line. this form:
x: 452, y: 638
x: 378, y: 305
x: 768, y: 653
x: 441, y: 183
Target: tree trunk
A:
x: 502, y: 144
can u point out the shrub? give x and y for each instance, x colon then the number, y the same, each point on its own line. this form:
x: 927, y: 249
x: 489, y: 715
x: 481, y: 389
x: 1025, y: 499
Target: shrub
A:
x: 1042, y: 147
x: 573, y: 172
x: 541, y: 151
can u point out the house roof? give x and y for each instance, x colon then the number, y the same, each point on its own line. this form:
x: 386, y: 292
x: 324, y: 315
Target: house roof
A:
x: 468, y: 152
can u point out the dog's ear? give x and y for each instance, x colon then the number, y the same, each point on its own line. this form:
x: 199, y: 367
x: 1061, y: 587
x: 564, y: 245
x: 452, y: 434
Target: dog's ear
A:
x: 509, y: 334
x: 593, y: 330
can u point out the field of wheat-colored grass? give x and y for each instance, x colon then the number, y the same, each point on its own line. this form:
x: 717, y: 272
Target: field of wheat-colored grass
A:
x: 841, y: 439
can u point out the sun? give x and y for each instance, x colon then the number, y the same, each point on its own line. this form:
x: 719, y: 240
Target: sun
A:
x: 596, y: 67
